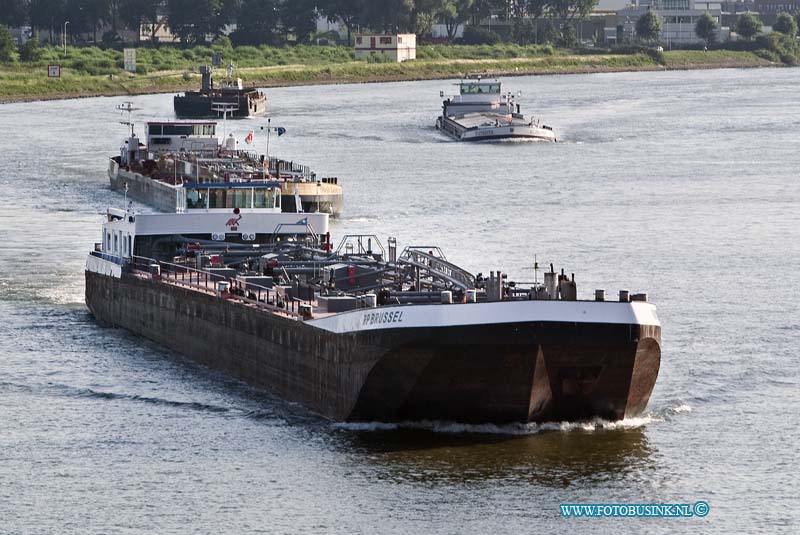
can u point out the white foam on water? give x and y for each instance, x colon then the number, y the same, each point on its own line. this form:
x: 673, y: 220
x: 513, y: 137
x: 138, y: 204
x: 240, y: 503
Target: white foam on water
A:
x: 437, y: 426
x: 681, y: 408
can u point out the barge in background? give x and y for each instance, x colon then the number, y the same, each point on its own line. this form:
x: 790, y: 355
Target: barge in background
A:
x: 176, y: 153
x: 482, y: 112
x: 360, y: 333
x: 230, y: 95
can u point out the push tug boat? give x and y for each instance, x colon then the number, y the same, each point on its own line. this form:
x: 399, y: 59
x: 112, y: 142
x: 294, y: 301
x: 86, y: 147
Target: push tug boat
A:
x: 177, y: 153
x: 360, y: 333
x: 230, y: 95
x: 482, y: 112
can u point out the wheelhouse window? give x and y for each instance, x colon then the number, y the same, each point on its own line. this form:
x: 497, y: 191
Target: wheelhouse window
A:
x: 475, y: 89
x: 178, y: 130
x: 196, y: 199
x: 263, y: 198
x: 230, y: 198
x: 242, y: 197
x: 218, y: 198
x: 386, y: 40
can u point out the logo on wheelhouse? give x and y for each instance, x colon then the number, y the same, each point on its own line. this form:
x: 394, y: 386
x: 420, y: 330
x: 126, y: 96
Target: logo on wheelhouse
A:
x: 233, y: 223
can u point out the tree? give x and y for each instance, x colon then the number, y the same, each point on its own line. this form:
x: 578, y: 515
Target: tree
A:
x: 454, y: 13
x: 260, y: 24
x: 648, y: 26
x: 482, y: 9
x: 12, y: 12
x: 706, y: 28
x: 347, y: 11
x: 568, y: 11
x: 388, y: 16
x: 8, y: 52
x: 525, y: 14
x: 299, y: 17
x: 785, y: 24
x: 134, y: 13
x: 47, y: 15
x: 422, y: 14
x: 747, y: 25
x: 194, y: 20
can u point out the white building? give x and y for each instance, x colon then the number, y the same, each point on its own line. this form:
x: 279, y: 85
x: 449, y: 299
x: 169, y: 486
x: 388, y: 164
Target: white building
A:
x: 401, y: 47
x: 678, y: 19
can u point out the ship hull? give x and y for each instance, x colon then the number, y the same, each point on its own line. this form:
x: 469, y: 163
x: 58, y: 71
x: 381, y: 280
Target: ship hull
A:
x: 468, y: 130
x: 514, y: 371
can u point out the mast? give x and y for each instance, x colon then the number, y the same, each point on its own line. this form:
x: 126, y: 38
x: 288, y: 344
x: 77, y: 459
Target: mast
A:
x: 127, y: 107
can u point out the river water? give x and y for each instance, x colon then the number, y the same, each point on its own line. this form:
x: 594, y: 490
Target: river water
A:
x: 681, y: 184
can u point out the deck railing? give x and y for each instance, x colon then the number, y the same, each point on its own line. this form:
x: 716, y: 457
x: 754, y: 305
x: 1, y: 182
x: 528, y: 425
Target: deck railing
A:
x: 247, y: 292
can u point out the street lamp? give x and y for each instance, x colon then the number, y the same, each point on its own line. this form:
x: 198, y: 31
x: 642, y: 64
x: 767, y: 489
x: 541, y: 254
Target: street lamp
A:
x: 65, y: 37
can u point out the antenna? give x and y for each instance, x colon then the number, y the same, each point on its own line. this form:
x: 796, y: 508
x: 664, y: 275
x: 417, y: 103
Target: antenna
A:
x: 127, y: 107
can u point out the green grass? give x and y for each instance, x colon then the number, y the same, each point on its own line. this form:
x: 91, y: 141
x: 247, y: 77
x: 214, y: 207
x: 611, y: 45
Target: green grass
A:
x: 94, y: 71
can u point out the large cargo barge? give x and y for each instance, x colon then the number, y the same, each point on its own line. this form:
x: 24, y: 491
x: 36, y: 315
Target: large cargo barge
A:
x: 360, y: 333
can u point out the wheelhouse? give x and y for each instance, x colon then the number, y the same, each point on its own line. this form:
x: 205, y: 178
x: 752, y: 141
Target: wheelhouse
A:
x: 224, y: 196
x: 192, y: 136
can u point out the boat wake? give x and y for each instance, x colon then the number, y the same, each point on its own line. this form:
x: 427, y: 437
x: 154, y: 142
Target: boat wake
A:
x: 596, y: 424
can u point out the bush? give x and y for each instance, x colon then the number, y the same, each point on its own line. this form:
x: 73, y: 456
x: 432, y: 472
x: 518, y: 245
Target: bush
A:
x: 30, y: 51
x: 8, y: 51
x: 478, y: 36
x: 747, y: 25
x: 785, y: 25
x: 222, y: 42
x: 779, y: 45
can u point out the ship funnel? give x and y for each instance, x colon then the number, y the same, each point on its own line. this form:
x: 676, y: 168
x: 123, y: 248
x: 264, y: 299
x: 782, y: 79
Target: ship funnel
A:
x: 206, y: 73
x: 551, y: 284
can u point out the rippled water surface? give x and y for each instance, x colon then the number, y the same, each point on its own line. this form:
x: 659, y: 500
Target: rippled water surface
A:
x: 681, y: 184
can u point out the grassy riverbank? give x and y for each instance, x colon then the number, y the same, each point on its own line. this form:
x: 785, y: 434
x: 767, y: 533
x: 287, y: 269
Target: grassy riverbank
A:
x: 92, y: 72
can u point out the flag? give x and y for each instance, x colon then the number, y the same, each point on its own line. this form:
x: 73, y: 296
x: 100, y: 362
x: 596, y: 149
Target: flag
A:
x: 281, y: 130
x: 249, y: 138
